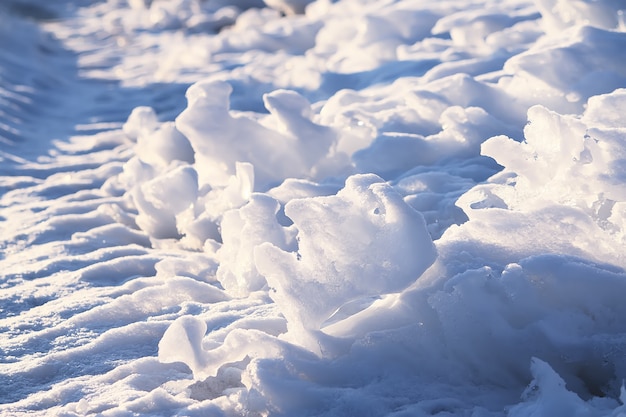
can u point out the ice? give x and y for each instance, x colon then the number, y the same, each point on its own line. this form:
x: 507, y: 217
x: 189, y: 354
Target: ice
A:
x: 161, y: 199
x: 548, y: 396
x: 274, y: 153
x: 543, y: 175
x: 346, y: 250
x: 182, y: 342
x: 164, y: 146
x: 312, y: 208
x: 242, y: 231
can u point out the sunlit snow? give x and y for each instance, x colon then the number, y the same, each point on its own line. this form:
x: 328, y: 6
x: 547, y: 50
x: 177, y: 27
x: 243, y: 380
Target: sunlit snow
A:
x: 313, y: 208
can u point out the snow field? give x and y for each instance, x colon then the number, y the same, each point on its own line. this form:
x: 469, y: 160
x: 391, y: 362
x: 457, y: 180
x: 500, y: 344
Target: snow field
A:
x: 371, y: 208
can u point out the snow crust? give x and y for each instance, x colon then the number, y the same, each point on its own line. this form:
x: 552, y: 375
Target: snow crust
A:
x: 313, y: 208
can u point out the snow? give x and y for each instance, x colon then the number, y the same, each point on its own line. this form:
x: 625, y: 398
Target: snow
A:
x: 312, y: 208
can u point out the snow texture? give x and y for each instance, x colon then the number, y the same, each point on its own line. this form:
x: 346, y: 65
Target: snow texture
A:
x: 313, y: 208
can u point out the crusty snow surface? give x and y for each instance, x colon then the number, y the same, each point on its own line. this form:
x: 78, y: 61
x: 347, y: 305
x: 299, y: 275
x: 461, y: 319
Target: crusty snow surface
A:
x: 329, y: 208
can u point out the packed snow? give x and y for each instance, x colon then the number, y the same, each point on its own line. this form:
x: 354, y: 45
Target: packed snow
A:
x: 313, y: 208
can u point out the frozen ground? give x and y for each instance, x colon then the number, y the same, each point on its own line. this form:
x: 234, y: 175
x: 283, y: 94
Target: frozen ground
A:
x: 349, y: 208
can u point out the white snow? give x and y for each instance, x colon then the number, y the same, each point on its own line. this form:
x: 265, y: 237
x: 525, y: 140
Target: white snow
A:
x: 313, y: 208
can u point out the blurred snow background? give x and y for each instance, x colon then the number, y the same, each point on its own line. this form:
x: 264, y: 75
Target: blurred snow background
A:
x: 327, y: 208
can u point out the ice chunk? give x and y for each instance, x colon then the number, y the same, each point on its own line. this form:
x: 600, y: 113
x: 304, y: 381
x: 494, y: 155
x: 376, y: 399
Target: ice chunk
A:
x: 293, y: 114
x: 200, y: 222
x: 142, y: 121
x: 569, y: 169
x: 606, y: 110
x: 289, y: 146
x: 548, y: 396
x: 182, y: 342
x: 164, y: 146
x: 242, y: 230
x: 364, y: 241
x: 297, y: 188
x: 162, y: 198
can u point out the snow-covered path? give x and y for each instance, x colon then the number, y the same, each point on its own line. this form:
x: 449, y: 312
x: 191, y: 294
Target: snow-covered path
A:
x: 54, y: 165
x: 317, y: 226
